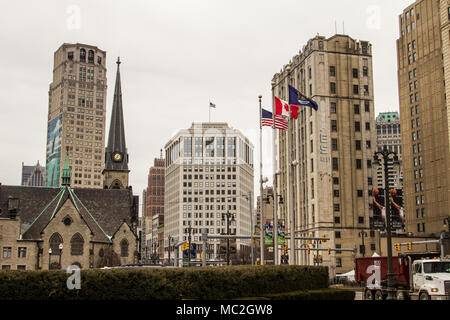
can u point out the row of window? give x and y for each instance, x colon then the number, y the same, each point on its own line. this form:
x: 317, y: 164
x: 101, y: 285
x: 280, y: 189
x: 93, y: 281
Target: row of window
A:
x: 355, y: 72
x: 356, y: 107
x: 21, y: 252
x: 334, y: 126
x: 90, y: 56
x: 355, y: 89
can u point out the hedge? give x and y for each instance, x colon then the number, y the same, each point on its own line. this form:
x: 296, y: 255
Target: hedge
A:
x: 323, y: 294
x: 200, y: 283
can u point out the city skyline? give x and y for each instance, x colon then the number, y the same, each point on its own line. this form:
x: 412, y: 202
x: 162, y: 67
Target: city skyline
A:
x: 168, y: 59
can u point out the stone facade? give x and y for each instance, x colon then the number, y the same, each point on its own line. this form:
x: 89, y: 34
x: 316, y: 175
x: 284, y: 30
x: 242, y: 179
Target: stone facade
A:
x: 423, y: 77
x: 334, y: 146
x: 90, y: 224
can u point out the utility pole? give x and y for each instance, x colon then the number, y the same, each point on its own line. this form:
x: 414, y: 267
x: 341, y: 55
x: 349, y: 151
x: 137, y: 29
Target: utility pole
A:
x: 228, y: 216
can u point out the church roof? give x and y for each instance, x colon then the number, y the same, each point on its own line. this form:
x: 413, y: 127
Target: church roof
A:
x: 104, y: 211
x: 116, y: 137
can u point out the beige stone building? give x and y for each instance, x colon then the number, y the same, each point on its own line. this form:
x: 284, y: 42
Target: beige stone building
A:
x: 334, y: 147
x: 423, y: 77
x: 209, y: 172
x: 76, y: 115
x: 389, y: 135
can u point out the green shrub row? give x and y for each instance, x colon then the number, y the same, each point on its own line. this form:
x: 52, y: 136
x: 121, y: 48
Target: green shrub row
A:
x: 323, y: 294
x: 200, y: 283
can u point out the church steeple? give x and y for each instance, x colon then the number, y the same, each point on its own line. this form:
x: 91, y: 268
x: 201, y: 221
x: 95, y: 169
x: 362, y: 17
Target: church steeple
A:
x: 116, y: 156
x: 65, y: 179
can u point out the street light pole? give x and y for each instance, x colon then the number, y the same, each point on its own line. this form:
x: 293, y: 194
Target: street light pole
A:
x: 261, y: 236
x: 363, y: 234
x: 189, y: 241
x: 228, y: 215
x: 385, y: 153
x: 251, y: 226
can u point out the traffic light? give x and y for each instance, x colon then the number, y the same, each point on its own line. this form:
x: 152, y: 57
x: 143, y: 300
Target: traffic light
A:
x: 324, y: 240
x: 329, y: 250
x: 409, y: 246
x: 193, y: 250
x: 308, y: 250
x: 285, y: 249
x: 397, y: 245
x: 185, y: 246
x: 309, y: 241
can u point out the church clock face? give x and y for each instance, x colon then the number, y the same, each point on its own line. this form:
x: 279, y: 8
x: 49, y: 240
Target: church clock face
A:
x: 117, y: 157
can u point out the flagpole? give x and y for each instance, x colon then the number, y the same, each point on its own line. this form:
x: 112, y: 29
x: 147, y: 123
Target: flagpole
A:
x: 275, y: 197
x: 291, y: 187
x: 209, y: 108
x: 261, y: 236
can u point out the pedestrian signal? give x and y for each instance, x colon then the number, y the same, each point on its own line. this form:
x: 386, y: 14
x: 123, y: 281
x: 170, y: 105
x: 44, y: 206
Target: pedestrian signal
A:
x: 409, y: 246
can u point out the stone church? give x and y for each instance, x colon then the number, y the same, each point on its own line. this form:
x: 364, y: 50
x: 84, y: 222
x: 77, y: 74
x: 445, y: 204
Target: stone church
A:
x: 45, y: 228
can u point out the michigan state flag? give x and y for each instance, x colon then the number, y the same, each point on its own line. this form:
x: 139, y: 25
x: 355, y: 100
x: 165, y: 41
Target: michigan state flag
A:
x: 296, y: 98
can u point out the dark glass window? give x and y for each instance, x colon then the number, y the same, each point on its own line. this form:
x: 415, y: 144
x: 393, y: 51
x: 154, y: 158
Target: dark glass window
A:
x: 124, y: 248
x: 76, y: 245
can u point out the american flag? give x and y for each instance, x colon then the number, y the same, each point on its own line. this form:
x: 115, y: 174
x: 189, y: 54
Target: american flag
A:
x: 212, y: 105
x: 267, y: 121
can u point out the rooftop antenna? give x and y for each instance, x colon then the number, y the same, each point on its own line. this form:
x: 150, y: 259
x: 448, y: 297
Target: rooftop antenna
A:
x: 343, y: 27
x: 335, y: 26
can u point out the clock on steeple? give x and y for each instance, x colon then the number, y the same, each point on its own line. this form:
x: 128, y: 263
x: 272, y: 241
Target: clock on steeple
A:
x: 115, y: 174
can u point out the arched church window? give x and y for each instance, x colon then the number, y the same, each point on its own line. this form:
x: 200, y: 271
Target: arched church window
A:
x: 124, y: 248
x: 76, y: 245
x: 55, y: 241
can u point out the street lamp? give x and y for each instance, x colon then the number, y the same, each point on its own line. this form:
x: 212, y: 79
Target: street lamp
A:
x: 49, y: 256
x: 363, y: 235
x: 170, y: 240
x: 294, y: 163
x: 228, y: 215
x: 60, y: 253
x: 385, y: 155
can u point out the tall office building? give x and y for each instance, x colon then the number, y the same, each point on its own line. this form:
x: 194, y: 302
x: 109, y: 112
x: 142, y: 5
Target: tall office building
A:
x: 423, y: 76
x: 388, y: 134
x: 154, y: 216
x: 76, y: 115
x: 209, y: 172
x: 33, y: 175
x: 333, y: 180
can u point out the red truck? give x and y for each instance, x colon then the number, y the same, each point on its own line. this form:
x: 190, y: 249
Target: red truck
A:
x: 421, y: 276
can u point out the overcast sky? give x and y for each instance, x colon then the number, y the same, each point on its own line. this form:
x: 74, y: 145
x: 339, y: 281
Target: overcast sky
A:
x: 177, y: 55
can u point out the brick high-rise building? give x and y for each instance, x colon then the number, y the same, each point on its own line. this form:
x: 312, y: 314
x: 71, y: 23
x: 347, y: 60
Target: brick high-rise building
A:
x: 423, y: 52
x: 76, y: 115
x: 334, y: 147
x: 154, y: 213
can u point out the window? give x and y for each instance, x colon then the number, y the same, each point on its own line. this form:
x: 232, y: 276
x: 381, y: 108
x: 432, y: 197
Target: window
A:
x: 358, y: 164
x: 336, y: 208
x: 124, y: 248
x: 337, y: 234
x: 355, y: 89
x: 335, y: 164
x: 333, y: 107
x: 360, y: 220
x: 76, y: 245
x: 356, y: 108
x: 336, y: 181
x: 332, y: 71
x: 70, y: 55
x: 332, y: 88
x: 337, y: 220
x: 334, y: 144
x: 338, y: 261
x: 55, y: 241
x: 334, y: 126
x: 359, y: 193
x: 83, y: 55
x: 357, y: 126
x: 367, y: 106
x: 22, y: 252
x: 336, y: 193
x: 91, y: 56
x: 6, y: 252
x: 365, y: 71
x: 358, y: 144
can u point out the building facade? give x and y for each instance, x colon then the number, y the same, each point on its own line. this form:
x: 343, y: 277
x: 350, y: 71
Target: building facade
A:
x: 76, y: 115
x: 333, y: 180
x: 154, y: 217
x: 423, y: 74
x: 209, y: 172
x: 388, y: 134
x: 55, y: 227
x: 33, y: 176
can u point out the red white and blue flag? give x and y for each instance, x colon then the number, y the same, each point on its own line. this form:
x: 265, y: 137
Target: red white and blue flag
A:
x: 267, y: 120
x: 212, y: 105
